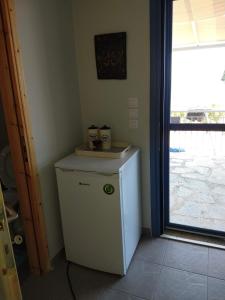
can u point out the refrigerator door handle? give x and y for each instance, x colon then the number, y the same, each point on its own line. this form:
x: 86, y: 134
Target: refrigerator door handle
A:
x: 66, y: 170
x: 107, y: 174
x: 83, y: 183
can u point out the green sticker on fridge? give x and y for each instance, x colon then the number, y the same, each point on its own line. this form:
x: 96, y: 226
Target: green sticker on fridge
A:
x: 108, y: 189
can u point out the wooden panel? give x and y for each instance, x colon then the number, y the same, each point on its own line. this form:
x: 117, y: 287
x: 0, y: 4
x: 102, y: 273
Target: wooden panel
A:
x: 17, y: 157
x: 19, y: 126
x: 9, y: 281
x: 10, y: 285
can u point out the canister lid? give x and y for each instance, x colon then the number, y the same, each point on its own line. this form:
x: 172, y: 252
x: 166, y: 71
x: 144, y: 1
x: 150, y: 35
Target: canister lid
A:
x: 105, y: 127
x: 93, y: 127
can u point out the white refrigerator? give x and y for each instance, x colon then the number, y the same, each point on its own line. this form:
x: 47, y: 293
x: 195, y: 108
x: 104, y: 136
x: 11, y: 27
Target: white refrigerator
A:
x: 100, y: 210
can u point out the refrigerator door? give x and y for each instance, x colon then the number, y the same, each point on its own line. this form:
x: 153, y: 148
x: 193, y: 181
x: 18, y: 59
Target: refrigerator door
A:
x: 91, y: 219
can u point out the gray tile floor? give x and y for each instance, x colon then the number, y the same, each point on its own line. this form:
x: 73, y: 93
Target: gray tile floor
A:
x: 160, y: 270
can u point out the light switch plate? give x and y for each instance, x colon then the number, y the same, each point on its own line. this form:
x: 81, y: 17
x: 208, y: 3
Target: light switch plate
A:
x: 133, y: 113
x: 133, y: 102
x: 133, y: 124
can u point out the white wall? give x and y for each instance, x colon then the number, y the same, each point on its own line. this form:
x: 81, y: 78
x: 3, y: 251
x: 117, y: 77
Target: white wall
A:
x: 45, y: 32
x: 105, y: 101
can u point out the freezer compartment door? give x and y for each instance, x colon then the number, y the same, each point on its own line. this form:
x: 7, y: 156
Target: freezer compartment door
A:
x: 91, y: 219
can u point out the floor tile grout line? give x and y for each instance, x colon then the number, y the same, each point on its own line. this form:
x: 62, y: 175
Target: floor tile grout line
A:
x: 208, y: 275
x: 161, y: 269
x: 158, y: 283
x: 207, y: 288
x: 127, y: 293
x: 164, y: 265
x: 208, y: 263
x: 183, y: 270
x: 214, y: 277
x: 165, y: 252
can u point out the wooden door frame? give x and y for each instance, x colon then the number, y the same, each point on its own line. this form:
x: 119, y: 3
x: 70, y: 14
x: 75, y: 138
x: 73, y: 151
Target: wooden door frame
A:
x: 21, y: 141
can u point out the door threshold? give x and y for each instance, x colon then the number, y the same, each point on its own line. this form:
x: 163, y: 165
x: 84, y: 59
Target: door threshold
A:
x: 197, y: 239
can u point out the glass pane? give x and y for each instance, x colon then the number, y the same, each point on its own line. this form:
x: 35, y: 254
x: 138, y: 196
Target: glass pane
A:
x: 198, y: 62
x: 197, y: 179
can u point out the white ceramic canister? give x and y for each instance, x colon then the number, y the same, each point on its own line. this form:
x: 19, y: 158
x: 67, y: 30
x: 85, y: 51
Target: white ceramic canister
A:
x: 93, y: 135
x: 105, y: 137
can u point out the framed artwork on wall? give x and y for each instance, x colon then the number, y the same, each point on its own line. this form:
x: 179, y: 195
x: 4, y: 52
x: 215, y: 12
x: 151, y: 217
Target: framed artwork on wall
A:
x: 110, y: 54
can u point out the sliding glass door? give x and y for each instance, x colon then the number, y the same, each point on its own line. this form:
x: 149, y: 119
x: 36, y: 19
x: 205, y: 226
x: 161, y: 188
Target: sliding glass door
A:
x: 194, y: 137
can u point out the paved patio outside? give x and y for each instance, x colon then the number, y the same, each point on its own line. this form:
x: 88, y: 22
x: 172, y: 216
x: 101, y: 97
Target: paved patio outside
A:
x: 197, y: 190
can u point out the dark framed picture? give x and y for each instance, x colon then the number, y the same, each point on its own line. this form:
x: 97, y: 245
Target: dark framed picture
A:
x: 110, y: 53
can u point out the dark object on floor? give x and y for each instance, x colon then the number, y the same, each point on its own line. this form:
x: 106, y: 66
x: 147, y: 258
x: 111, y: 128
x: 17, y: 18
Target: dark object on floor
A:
x: 69, y: 281
x: 21, y: 262
x: 110, y: 53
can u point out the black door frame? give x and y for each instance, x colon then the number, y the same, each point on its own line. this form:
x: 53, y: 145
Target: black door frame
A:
x: 160, y: 61
x: 160, y: 127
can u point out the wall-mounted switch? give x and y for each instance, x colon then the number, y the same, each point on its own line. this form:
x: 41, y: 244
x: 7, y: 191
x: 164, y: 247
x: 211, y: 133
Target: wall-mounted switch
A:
x: 133, y: 102
x: 133, y: 113
x: 133, y: 124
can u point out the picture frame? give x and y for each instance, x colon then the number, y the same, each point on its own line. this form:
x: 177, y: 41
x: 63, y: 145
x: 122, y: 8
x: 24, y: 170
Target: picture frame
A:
x: 110, y: 54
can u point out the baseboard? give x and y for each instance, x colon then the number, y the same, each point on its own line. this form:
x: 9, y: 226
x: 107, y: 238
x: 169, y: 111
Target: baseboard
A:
x: 57, y: 257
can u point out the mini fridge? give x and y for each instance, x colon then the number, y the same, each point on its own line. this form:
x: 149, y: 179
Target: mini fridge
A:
x: 100, y: 210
